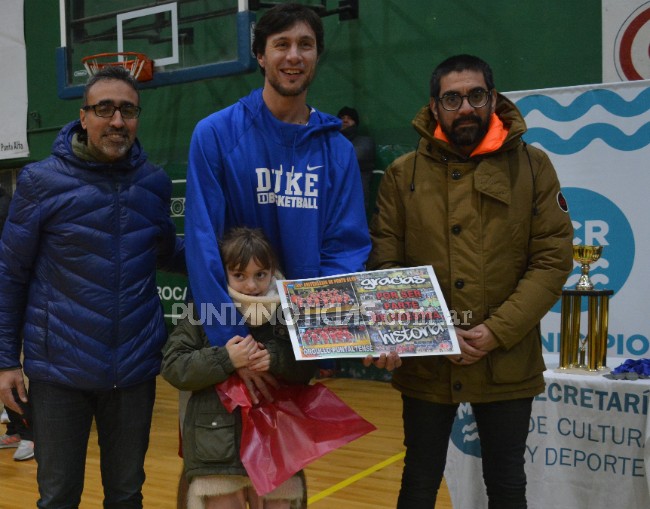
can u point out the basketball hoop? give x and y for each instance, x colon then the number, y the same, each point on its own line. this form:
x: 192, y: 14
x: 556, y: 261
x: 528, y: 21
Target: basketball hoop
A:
x: 139, y: 65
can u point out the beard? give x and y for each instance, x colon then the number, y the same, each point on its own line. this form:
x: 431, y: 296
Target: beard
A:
x: 106, y: 149
x: 467, y: 131
x: 290, y: 91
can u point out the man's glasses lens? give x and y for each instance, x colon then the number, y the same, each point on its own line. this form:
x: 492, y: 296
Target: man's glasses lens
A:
x: 128, y: 111
x: 476, y: 99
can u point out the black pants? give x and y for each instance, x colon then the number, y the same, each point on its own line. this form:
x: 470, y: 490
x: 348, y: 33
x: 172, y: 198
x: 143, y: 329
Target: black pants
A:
x: 63, y: 418
x: 502, y: 428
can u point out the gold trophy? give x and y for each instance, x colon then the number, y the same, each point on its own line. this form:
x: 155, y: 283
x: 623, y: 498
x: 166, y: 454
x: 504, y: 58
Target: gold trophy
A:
x: 589, y: 352
x: 585, y: 255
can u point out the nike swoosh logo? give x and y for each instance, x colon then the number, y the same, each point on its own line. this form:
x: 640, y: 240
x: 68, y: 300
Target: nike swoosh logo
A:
x: 312, y: 168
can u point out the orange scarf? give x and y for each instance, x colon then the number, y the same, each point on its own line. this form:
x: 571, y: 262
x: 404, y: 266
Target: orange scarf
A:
x: 493, y: 139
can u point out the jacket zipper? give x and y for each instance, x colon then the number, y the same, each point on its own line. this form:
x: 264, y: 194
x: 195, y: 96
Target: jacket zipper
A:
x: 118, y: 269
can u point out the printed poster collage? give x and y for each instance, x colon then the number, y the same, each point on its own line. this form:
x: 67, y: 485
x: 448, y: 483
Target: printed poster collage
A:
x: 368, y: 313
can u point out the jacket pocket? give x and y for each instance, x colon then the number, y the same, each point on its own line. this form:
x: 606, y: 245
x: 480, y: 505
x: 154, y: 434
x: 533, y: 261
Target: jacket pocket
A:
x: 522, y: 362
x: 215, y: 437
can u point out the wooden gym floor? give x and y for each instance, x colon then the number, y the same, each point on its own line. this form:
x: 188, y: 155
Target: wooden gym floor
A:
x: 364, y: 474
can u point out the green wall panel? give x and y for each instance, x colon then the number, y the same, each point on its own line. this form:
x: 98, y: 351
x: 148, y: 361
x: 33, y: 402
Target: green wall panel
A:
x: 379, y: 64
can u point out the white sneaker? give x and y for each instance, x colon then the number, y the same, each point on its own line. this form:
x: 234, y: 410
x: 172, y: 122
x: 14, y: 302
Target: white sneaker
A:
x: 4, y: 418
x: 7, y: 440
x: 25, y: 451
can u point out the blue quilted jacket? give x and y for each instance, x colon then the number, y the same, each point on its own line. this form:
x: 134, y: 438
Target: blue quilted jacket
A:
x: 78, y: 257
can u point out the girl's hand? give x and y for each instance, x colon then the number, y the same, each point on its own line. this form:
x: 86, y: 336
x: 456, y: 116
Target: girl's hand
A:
x: 240, y: 349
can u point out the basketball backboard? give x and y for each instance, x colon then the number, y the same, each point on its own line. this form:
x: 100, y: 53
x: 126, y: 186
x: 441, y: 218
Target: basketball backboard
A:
x: 188, y: 40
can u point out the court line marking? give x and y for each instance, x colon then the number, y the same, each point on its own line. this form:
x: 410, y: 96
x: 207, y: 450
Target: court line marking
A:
x: 356, y: 477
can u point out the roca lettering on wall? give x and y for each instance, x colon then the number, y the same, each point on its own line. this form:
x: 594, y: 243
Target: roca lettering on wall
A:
x: 172, y: 293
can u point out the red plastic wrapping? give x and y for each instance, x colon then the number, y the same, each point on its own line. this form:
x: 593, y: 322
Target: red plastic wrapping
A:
x: 301, y: 424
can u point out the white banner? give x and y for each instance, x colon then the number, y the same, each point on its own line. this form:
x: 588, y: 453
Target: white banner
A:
x: 598, y: 138
x: 587, y: 447
x: 13, y: 82
x: 625, y: 39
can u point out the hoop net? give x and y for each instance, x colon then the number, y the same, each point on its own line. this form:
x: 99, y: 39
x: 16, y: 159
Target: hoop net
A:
x: 139, y: 65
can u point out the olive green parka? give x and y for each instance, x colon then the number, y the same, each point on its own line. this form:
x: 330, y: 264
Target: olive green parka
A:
x: 212, y: 435
x: 496, y: 231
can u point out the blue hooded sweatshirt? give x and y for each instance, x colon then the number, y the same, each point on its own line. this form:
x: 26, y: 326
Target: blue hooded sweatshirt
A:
x: 299, y: 183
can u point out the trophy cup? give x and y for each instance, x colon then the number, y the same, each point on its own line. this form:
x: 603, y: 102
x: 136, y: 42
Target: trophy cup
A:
x: 585, y: 255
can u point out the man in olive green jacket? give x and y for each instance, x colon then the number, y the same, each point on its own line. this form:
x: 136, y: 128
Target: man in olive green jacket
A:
x: 486, y: 211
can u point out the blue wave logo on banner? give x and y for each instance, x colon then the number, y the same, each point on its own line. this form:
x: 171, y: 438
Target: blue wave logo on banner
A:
x: 598, y: 221
x: 608, y: 133
x: 464, y: 432
x: 609, y: 100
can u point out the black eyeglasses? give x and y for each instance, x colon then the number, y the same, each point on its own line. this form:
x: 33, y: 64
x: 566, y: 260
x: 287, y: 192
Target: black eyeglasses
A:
x: 107, y: 110
x: 477, y: 98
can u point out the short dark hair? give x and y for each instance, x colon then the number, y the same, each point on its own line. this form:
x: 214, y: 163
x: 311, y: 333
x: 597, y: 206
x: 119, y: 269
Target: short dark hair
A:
x: 240, y: 245
x: 350, y: 112
x: 460, y: 63
x: 111, y: 72
x: 284, y: 16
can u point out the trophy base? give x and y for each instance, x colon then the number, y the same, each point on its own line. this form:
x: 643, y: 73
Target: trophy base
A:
x: 584, y: 354
x: 578, y: 370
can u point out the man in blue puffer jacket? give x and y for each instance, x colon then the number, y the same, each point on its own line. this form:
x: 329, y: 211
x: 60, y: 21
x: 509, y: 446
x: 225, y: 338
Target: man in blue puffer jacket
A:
x: 86, y: 231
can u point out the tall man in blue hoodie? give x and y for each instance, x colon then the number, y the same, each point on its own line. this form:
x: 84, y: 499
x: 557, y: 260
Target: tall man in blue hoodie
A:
x: 272, y: 161
x: 87, y: 228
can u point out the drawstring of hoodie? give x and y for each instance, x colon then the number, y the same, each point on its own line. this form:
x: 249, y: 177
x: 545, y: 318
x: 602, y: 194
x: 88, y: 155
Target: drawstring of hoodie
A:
x: 415, y: 160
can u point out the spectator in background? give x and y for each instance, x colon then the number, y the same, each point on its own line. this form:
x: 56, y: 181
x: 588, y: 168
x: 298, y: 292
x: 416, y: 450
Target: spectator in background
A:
x: 5, y: 199
x: 364, y: 147
x: 19, y: 433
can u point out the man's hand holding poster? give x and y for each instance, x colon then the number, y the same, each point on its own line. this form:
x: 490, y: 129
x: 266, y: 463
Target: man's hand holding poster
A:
x: 354, y: 315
